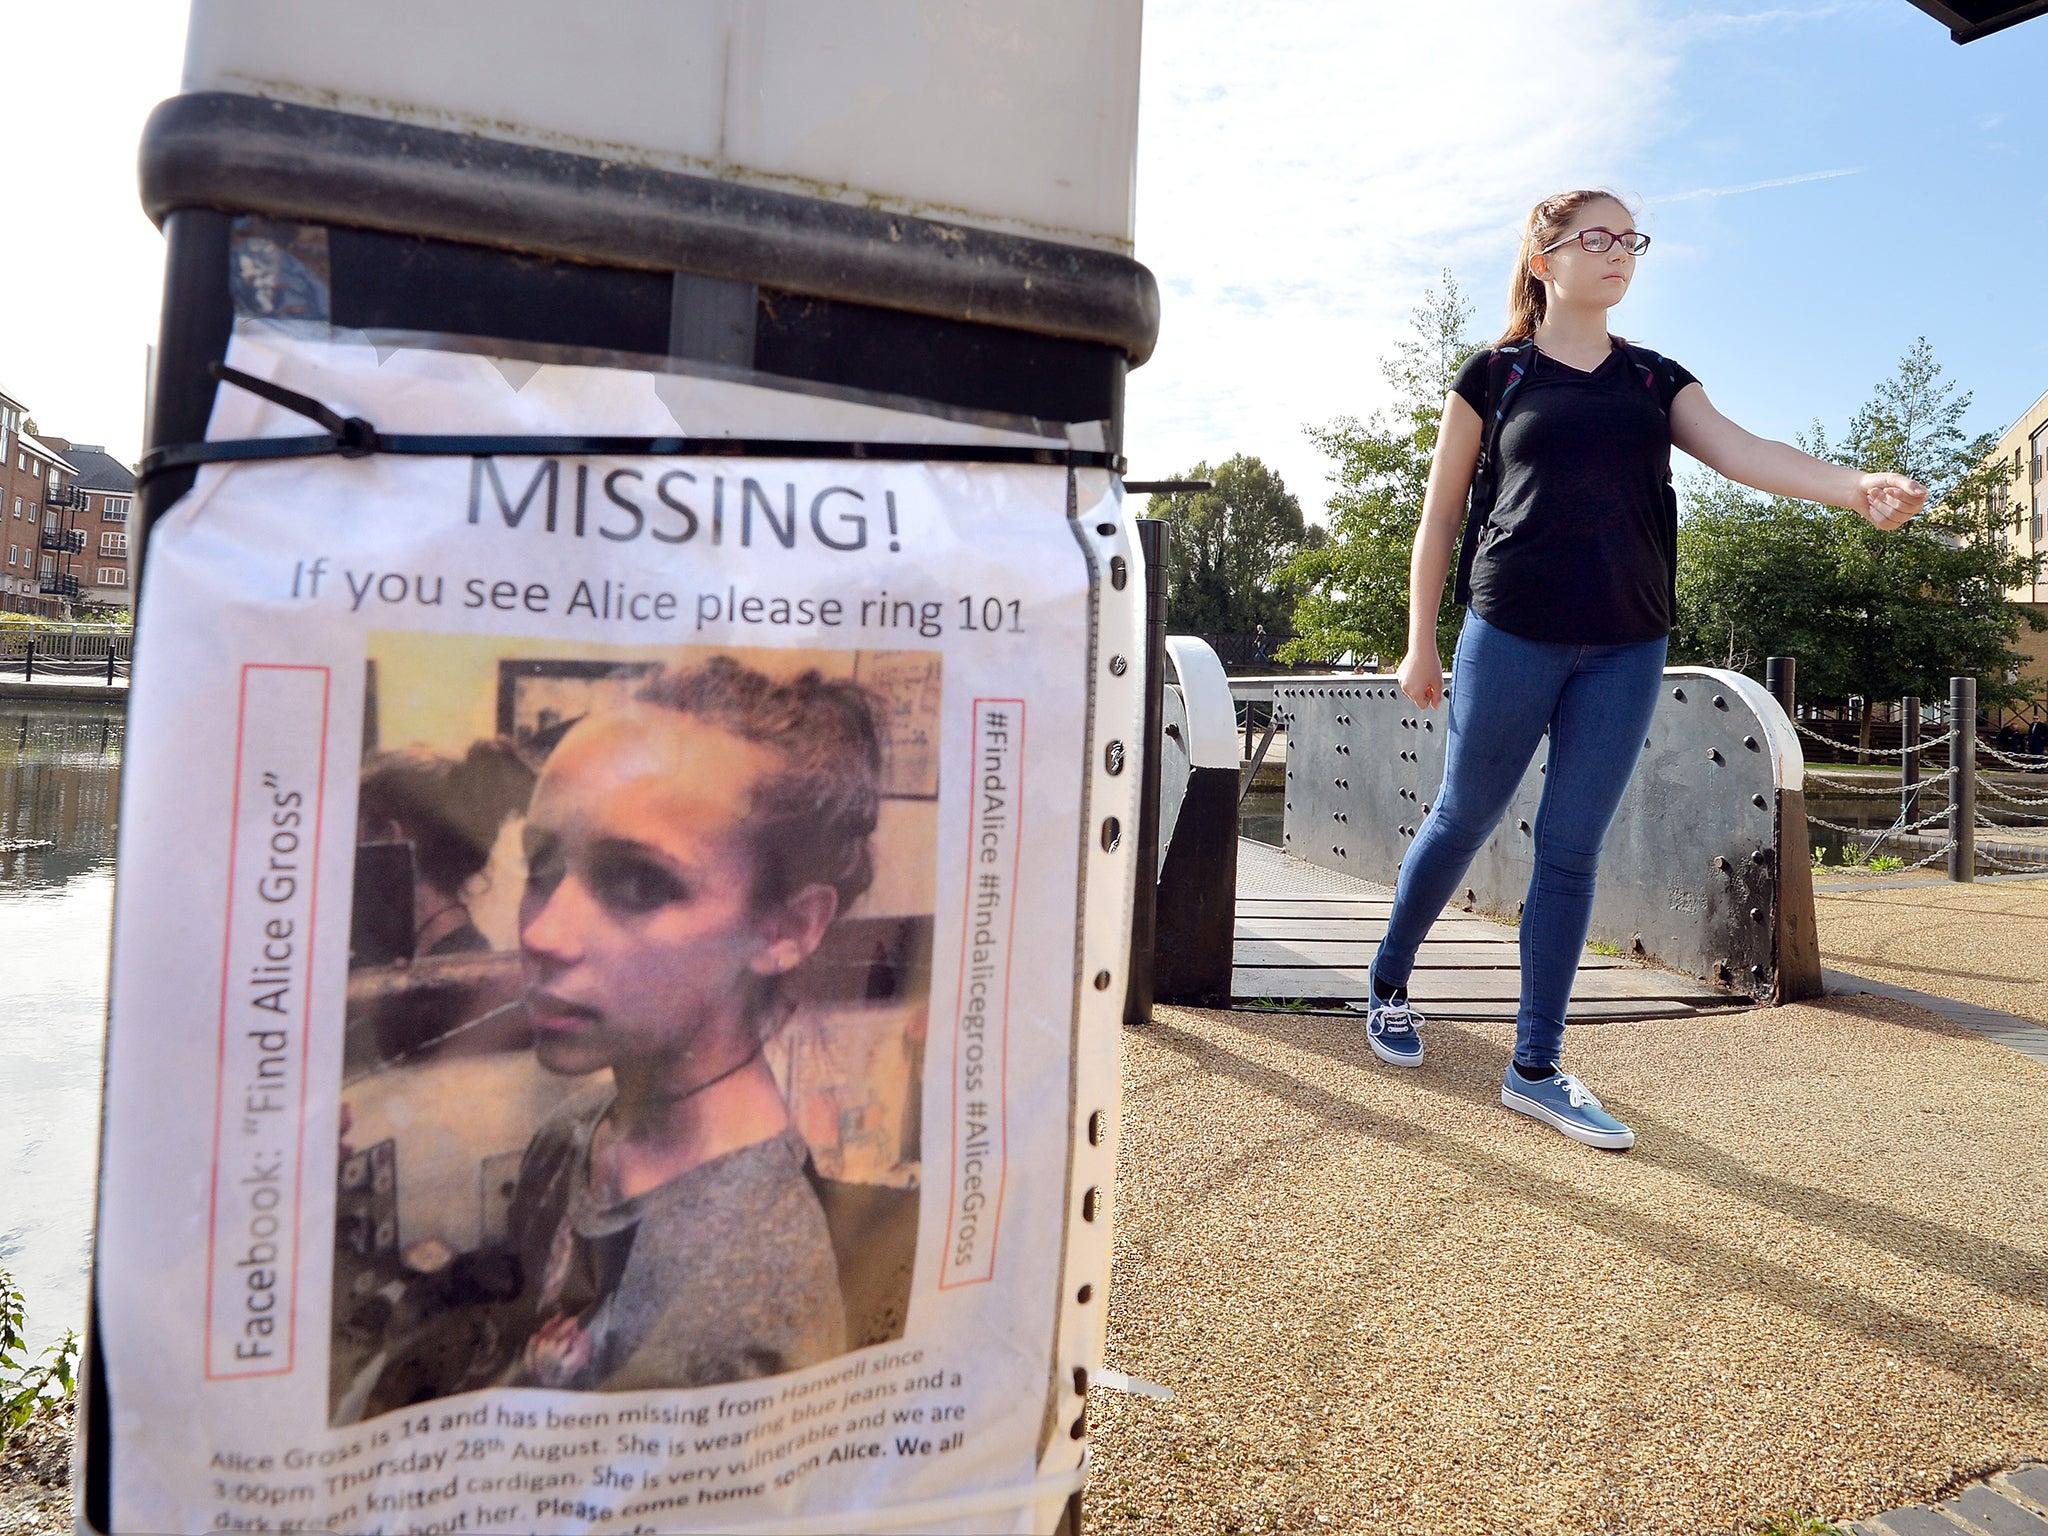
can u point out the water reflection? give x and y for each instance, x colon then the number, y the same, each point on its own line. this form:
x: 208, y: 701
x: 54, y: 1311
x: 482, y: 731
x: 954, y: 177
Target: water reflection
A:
x: 60, y: 785
x: 60, y: 778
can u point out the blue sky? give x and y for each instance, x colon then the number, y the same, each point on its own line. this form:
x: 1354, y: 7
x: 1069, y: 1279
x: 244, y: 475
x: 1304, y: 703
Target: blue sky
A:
x: 1825, y: 182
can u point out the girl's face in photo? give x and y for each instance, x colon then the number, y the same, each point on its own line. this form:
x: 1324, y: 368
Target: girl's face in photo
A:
x: 636, y: 924
x: 1575, y: 274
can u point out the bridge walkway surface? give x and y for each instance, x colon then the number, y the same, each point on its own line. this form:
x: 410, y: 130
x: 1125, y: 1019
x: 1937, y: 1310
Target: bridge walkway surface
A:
x: 1307, y: 934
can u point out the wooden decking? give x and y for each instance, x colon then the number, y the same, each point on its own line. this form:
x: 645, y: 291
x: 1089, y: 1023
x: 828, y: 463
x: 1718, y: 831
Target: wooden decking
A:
x: 1307, y: 933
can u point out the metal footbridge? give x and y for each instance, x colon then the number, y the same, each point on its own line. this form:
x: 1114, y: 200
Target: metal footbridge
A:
x: 1705, y: 900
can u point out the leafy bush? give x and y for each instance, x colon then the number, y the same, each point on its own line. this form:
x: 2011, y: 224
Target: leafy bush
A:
x: 1855, y: 857
x: 30, y: 1387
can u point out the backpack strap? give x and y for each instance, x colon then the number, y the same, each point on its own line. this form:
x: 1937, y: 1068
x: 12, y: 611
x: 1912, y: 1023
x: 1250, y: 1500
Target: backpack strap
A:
x: 1650, y: 369
x: 1506, y: 367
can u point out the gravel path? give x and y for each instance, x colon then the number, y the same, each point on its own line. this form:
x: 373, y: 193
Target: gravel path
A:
x: 1383, y: 1304
x: 1984, y: 944
x: 35, y: 1480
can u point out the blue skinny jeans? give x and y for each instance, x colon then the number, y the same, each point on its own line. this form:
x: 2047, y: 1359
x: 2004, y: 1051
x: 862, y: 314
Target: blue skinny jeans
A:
x: 1596, y: 702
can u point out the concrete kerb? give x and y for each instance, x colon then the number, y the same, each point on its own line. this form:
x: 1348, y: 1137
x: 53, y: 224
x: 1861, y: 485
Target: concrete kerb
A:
x: 2008, y: 1029
x: 97, y: 693
x: 2009, y: 1503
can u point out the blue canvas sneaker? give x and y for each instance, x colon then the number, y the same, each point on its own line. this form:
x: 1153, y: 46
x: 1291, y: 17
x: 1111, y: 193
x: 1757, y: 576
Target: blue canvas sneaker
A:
x: 1565, y: 1104
x: 1390, y: 1026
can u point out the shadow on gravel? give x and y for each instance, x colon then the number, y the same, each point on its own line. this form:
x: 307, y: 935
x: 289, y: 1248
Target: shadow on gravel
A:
x: 2011, y: 1272
x: 1839, y: 959
x: 1718, y: 1267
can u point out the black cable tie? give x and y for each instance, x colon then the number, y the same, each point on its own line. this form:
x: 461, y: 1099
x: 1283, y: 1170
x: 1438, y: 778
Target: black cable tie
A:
x: 277, y: 394
x: 352, y: 437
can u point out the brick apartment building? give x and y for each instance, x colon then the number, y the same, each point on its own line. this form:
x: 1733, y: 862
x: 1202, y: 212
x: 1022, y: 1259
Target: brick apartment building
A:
x: 63, y: 521
x: 36, y: 532
x: 104, y: 490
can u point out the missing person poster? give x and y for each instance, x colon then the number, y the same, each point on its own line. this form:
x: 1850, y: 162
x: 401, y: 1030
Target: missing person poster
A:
x: 617, y: 965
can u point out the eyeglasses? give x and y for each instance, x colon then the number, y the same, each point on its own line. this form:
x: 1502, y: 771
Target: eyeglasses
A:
x: 1599, y: 241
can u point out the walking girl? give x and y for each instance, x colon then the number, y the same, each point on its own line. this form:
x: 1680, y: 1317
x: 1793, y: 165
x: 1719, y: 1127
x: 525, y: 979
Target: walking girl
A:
x: 1555, y: 453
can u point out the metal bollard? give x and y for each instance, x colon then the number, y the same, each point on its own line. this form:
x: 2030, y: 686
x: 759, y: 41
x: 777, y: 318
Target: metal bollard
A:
x: 1909, y: 762
x: 1781, y: 675
x: 1962, y: 789
x: 1154, y: 540
x: 110, y: 663
x: 28, y: 668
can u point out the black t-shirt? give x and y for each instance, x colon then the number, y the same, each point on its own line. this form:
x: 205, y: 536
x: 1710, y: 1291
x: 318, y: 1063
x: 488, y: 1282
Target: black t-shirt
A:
x: 1582, y: 542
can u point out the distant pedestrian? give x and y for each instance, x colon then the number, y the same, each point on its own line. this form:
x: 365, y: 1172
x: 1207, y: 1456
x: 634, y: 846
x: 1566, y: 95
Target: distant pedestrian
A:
x: 2037, y: 741
x: 1557, y: 443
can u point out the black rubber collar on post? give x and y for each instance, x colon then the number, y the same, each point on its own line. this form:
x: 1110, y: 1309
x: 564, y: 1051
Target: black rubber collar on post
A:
x: 244, y: 154
x: 352, y: 437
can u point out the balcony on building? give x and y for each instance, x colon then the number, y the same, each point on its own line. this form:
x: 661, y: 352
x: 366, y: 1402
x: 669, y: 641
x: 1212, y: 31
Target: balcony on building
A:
x: 64, y: 540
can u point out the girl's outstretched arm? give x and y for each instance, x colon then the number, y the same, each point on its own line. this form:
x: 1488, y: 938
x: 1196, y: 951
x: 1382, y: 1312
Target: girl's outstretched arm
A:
x: 1421, y: 671
x: 1778, y: 469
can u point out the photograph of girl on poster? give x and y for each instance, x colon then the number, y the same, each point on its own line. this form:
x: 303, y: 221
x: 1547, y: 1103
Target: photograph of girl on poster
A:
x: 687, y: 1037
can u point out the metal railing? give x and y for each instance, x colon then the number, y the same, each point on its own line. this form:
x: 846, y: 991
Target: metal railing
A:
x: 1962, y: 819
x: 71, y: 653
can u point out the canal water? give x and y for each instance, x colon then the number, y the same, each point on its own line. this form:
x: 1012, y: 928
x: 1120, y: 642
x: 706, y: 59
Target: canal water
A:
x: 1260, y: 814
x: 60, y: 780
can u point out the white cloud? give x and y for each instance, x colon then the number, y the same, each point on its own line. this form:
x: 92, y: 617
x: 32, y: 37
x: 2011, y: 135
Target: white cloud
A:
x: 1305, y: 170
x: 1710, y: 23
x: 1754, y: 186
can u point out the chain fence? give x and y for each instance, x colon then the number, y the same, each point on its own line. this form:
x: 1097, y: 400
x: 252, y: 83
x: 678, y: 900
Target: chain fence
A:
x: 1988, y: 787
x: 2026, y: 762
x: 1940, y: 853
x: 1849, y: 746
x: 2013, y: 819
x: 1896, y: 829
x: 1882, y: 791
x: 2004, y: 867
x: 2005, y: 801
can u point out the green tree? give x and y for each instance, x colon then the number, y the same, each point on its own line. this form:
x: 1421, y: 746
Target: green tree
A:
x: 1352, y: 590
x: 1228, y: 546
x: 1870, y: 613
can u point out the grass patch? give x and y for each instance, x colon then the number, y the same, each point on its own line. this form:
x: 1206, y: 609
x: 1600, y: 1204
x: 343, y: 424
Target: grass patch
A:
x: 1791, y: 1524
x: 1274, y: 1005
x: 1854, y: 857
